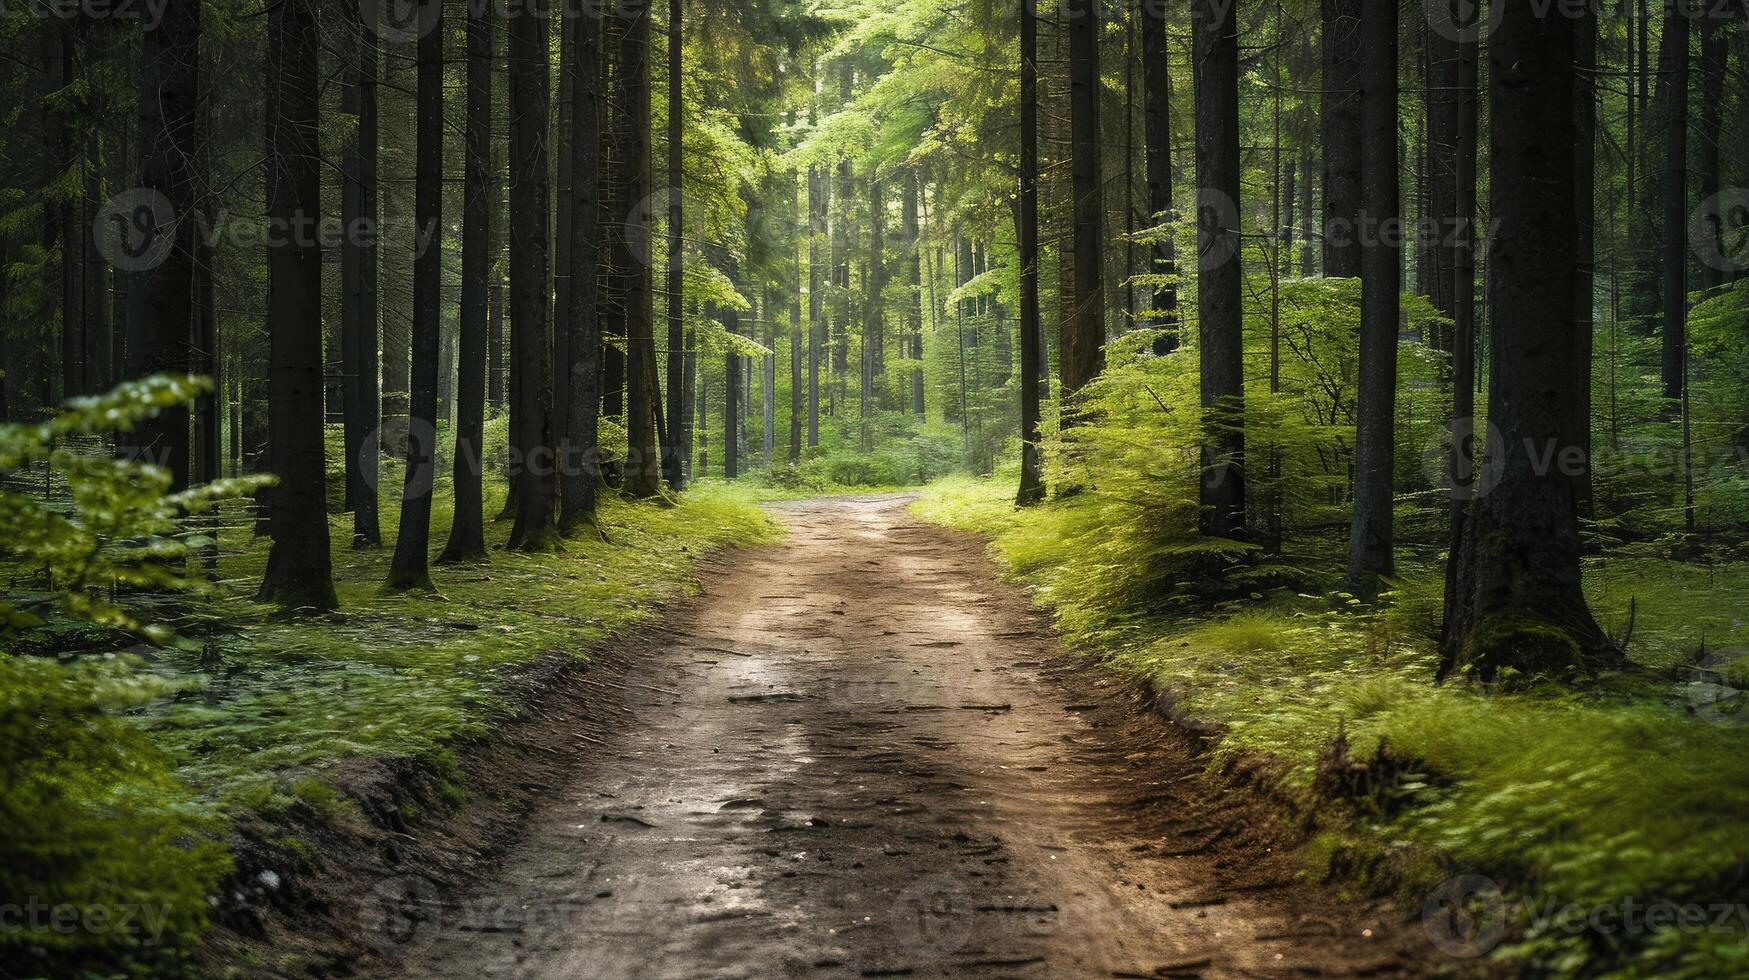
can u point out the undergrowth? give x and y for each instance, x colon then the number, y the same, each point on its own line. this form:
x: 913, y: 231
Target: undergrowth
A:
x: 1631, y: 794
x: 124, y: 769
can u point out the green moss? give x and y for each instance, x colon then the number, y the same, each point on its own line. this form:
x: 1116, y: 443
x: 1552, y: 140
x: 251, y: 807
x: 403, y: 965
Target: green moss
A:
x: 1512, y: 642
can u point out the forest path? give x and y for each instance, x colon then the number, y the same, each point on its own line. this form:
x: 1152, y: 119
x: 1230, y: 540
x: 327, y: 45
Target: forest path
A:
x: 858, y: 754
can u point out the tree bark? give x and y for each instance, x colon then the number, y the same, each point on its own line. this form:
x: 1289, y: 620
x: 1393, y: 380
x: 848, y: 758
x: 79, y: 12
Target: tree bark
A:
x: 467, y: 532
x: 1715, y: 56
x: 299, y: 572
x: 1083, y: 332
x: 673, y: 469
x: 816, y: 305
x: 1032, y: 487
x: 1675, y: 267
x: 531, y: 348
x: 1157, y: 134
x: 1370, y: 533
x: 581, y: 451
x: 1220, y: 309
x: 643, y: 474
x: 358, y: 313
x: 1342, y: 137
x: 411, y: 566
x: 1519, y: 604
x: 161, y: 300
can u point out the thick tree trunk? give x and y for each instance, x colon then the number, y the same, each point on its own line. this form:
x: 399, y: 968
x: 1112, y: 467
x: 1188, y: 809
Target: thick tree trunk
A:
x: 1341, y: 137
x: 1083, y: 331
x: 1674, y: 72
x: 1370, y: 533
x: 580, y: 461
x: 467, y: 532
x: 1220, y: 309
x: 1519, y: 604
x: 1585, y: 237
x: 400, y: 237
x: 673, y: 469
x: 161, y: 301
x: 299, y: 573
x: 643, y: 474
x: 1032, y: 487
x: 411, y: 565
x: 531, y: 348
x: 1157, y: 133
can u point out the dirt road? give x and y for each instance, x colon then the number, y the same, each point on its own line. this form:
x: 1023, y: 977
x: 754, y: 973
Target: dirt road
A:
x: 858, y: 754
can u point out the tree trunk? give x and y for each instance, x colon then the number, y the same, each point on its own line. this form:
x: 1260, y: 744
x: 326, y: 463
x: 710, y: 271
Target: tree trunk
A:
x: 161, y: 307
x: 672, y: 467
x: 467, y: 532
x: 1585, y: 238
x: 531, y: 348
x: 1715, y: 56
x: 358, y: 326
x: 299, y: 573
x: 580, y: 463
x: 1462, y: 469
x: 411, y: 565
x: 1441, y: 176
x: 1083, y: 332
x: 643, y: 474
x: 816, y: 305
x: 1519, y: 602
x: 1675, y: 269
x: 914, y: 277
x: 1370, y: 537
x: 1157, y: 133
x: 1341, y: 138
x: 1032, y: 487
x: 1220, y: 310
x: 732, y: 383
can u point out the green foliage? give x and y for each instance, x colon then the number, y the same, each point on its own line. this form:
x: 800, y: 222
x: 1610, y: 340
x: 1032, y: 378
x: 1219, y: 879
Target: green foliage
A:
x: 109, y: 855
x: 122, y: 528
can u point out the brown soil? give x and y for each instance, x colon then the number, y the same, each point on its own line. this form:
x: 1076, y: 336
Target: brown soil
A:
x: 858, y: 754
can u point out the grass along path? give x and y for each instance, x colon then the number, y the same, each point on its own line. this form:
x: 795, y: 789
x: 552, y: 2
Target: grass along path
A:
x: 1581, y: 806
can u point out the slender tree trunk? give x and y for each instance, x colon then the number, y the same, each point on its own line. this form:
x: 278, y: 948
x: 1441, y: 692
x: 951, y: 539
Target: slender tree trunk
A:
x: 673, y: 469
x: 1032, y: 487
x: 1342, y: 137
x: 161, y: 313
x: 816, y: 305
x: 1675, y: 271
x: 1370, y: 533
x: 1083, y: 333
x: 1585, y: 239
x: 1157, y: 133
x: 1220, y: 309
x: 1715, y: 55
x: 643, y: 477
x: 1462, y: 471
x: 299, y: 573
x: 356, y: 424
x: 732, y: 384
x: 99, y: 306
x: 411, y: 566
x: 1441, y: 176
x: 531, y: 348
x: 581, y: 451
x: 1519, y: 602
x: 467, y: 533
x: 70, y: 236
x: 914, y: 279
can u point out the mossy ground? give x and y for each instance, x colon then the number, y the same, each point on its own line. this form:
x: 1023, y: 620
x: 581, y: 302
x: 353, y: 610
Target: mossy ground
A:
x: 256, y: 712
x: 1623, y: 792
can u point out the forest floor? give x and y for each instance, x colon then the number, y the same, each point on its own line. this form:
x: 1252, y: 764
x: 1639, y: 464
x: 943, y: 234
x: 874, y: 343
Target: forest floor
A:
x: 857, y: 753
